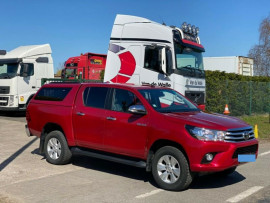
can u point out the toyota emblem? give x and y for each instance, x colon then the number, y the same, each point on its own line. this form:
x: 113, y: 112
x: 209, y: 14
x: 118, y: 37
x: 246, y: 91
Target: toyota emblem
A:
x: 246, y: 135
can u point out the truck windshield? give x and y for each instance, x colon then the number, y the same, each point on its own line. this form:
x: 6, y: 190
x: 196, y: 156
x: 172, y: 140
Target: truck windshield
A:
x: 8, y: 70
x: 70, y: 72
x: 167, y: 100
x: 188, y: 58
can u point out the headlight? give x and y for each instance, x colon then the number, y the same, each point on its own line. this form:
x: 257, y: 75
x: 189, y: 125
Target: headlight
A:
x: 11, y: 100
x: 206, y: 134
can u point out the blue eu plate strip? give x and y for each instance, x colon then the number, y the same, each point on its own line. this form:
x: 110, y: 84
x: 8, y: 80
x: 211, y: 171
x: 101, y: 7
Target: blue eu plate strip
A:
x: 246, y: 158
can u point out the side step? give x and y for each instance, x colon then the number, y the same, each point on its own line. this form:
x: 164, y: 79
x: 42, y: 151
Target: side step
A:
x: 136, y: 163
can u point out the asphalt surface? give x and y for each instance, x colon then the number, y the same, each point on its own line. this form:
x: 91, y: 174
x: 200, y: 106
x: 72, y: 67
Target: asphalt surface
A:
x: 25, y: 176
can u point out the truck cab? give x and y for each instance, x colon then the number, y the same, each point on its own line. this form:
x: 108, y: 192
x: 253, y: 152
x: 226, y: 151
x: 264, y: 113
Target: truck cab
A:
x: 145, y: 52
x: 87, y: 66
x: 21, y: 71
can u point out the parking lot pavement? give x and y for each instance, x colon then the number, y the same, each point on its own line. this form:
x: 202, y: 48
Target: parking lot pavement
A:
x: 13, y: 116
x: 25, y: 176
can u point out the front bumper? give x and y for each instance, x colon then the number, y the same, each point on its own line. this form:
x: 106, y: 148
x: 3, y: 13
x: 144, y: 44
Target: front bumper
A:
x: 226, y: 155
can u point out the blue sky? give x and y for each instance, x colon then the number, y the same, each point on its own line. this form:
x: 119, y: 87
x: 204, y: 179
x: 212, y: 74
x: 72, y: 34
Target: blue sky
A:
x: 72, y: 27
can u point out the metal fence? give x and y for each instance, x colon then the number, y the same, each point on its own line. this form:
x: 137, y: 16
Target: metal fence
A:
x: 242, y: 97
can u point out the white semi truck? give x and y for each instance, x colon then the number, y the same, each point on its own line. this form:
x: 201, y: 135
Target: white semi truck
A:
x: 145, y: 52
x: 230, y: 64
x: 21, y: 71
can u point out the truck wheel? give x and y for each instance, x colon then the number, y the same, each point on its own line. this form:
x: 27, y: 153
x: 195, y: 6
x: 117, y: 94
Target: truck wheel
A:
x: 170, y: 169
x: 56, y: 148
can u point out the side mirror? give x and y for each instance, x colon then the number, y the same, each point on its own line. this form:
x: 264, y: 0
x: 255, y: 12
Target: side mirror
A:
x: 24, y: 70
x: 63, y: 73
x: 163, y: 61
x: 137, y: 109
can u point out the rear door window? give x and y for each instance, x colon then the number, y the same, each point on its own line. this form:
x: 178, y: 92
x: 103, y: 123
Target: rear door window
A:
x: 53, y: 93
x: 95, y: 96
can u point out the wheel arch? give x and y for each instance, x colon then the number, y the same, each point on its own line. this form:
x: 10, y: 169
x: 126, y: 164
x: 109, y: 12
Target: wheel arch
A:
x: 159, y: 144
x: 49, y: 127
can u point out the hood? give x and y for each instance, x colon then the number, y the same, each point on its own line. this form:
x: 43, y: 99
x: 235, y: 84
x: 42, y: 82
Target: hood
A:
x: 207, y: 120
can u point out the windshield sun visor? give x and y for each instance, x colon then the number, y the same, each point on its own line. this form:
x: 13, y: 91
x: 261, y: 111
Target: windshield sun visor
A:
x: 10, y: 60
x: 193, y: 45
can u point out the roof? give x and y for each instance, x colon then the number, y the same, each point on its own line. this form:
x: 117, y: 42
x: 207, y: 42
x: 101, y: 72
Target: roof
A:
x: 26, y: 51
x: 128, y: 85
x: 124, y: 19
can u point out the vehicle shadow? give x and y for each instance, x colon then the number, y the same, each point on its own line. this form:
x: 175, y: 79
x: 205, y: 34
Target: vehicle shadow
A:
x: 200, y: 182
x: 12, y: 113
x: 113, y: 168
x: 215, y: 180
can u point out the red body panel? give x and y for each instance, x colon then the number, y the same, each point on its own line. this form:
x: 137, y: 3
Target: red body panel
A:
x: 88, y: 65
x: 133, y: 135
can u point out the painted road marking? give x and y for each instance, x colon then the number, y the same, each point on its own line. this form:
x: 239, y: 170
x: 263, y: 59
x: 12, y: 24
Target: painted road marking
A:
x: 262, y: 154
x: 148, y: 194
x: 245, y: 194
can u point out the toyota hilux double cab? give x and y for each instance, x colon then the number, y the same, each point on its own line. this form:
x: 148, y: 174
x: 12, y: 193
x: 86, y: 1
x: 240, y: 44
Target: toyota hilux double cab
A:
x: 155, y: 128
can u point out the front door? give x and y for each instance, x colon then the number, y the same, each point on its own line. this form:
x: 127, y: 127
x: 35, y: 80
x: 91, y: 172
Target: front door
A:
x: 126, y: 133
x: 26, y: 82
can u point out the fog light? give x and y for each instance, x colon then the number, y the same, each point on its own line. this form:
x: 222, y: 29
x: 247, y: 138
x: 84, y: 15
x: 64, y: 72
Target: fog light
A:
x: 209, y: 157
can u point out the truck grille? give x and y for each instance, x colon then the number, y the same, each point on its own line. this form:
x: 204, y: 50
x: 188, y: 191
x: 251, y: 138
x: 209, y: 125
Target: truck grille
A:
x: 4, y: 89
x: 196, y: 97
x: 3, y: 101
x: 239, y: 134
x: 252, y: 149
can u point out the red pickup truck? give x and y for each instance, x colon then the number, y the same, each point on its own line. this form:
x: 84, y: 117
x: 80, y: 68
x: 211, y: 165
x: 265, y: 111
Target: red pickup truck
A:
x: 150, y: 127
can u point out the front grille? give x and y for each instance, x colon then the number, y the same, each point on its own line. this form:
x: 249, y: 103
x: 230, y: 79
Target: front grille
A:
x: 196, y: 97
x: 3, y: 101
x: 4, y: 89
x: 252, y: 149
x: 239, y: 134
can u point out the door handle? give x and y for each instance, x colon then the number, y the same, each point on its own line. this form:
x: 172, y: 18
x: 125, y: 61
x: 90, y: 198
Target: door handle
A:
x: 111, y: 118
x: 33, y: 87
x: 80, y: 113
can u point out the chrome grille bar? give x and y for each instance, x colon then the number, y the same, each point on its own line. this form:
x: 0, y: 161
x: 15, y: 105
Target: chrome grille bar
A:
x: 239, y: 134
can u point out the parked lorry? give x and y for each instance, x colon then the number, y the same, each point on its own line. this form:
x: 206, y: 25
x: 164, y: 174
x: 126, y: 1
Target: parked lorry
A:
x: 145, y: 52
x: 87, y: 66
x: 230, y: 64
x: 155, y: 128
x: 21, y: 71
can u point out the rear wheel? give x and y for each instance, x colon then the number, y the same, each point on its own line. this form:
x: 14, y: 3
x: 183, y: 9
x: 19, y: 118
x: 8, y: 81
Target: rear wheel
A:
x: 170, y: 169
x: 56, y: 148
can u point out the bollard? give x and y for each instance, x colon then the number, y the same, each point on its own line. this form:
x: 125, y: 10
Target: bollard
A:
x: 256, y: 133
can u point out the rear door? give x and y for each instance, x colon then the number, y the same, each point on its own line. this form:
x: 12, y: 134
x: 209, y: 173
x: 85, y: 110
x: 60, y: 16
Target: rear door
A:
x: 126, y: 133
x: 89, y: 116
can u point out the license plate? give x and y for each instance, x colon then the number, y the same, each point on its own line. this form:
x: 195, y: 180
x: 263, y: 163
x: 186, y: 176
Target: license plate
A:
x: 246, y: 157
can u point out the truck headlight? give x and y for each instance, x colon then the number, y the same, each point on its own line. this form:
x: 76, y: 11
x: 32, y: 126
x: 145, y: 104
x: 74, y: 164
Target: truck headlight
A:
x: 11, y: 100
x: 206, y: 134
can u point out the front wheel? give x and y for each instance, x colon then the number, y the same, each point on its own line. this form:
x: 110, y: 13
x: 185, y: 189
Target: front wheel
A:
x: 170, y: 169
x: 56, y: 148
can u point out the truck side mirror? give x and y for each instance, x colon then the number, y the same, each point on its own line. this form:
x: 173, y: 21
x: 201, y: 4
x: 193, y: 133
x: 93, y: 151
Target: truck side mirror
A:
x: 163, y: 61
x: 63, y: 73
x: 24, y: 70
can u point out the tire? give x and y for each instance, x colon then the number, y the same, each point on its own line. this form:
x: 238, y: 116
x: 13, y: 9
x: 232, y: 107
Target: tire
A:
x: 227, y: 171
x: 170, y: 169
x: 56, y: 148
